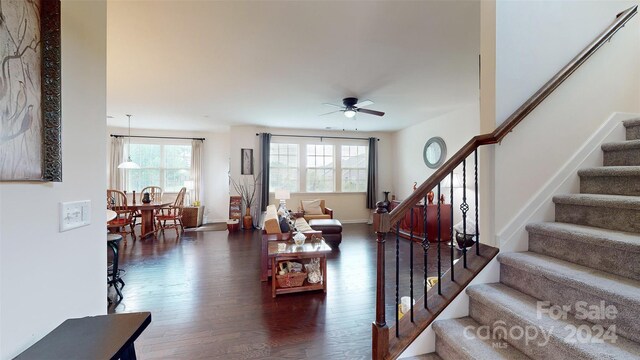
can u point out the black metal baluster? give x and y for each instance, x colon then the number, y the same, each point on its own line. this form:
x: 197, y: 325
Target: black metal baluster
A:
x: 464, y: 207
x: 425, y: 247
x: 439, y: 240
x: 397, y: 279
x: 452, y: 238
x: 411, y: 266
x: 475, y: 154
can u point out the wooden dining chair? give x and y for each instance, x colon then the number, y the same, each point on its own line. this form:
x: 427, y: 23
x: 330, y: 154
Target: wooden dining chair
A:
x: 117, y: 201
x: 155, y: 194
x: 172, y: 213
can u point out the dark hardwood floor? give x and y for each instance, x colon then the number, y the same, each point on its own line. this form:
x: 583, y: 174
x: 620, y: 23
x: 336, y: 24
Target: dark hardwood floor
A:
x: 207, y: 301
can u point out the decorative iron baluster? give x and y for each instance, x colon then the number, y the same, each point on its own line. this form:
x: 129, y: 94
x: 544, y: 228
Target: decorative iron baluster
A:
x: 411, y: 265
x: 452, y: 237
x: 439, y: 240
x: 464, y: 207
x: 425, y: 247
x: 398, y: 279
x: 475, y: 155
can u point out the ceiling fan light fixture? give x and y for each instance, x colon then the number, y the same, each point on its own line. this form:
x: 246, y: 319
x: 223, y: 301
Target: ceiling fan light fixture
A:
x: 349, y: 113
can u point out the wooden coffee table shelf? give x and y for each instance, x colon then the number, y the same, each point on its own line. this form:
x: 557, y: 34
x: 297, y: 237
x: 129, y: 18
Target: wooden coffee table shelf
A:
x: 310, y: 250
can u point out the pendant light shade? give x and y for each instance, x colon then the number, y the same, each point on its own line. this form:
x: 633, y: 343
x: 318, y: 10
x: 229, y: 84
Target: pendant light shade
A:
x: 129, y: 164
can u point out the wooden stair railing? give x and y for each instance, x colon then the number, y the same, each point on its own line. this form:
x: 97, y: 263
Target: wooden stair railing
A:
x: 384, y: 345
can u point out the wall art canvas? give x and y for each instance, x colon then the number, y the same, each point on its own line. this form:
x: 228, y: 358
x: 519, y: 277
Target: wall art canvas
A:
x: 30, y: 90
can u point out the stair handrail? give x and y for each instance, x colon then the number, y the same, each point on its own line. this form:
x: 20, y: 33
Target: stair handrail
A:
x: 385, y: 219
x: 507, y: 126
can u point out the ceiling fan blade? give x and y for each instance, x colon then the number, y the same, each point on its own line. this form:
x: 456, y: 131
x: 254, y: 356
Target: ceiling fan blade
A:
x: 363, y: 103
x: 334, y: 105
x: 330, y: 112
x: 371, y: 112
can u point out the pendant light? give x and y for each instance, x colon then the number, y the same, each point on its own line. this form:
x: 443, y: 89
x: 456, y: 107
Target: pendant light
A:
x: 129, y: 164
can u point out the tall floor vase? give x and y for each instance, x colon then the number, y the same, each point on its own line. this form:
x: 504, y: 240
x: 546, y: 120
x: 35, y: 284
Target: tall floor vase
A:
x: 247, y: 221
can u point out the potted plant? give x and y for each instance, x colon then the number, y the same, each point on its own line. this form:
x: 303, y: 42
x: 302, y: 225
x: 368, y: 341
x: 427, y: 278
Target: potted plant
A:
x: 246, y: 187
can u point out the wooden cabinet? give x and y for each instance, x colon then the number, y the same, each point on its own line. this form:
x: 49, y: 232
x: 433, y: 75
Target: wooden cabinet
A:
x: 432, y: 222
x: 192, y: 216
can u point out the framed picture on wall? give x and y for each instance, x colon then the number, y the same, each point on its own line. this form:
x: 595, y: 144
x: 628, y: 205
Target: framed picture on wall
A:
x: 30, y: 121
x: 246, y: 167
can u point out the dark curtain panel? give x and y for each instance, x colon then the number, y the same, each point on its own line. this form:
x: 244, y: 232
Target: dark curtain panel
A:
x: 372, y: 178
x: 265, y: 154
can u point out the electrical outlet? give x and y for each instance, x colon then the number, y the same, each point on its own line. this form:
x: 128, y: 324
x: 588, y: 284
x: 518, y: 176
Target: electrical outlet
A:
x: 74, y: 214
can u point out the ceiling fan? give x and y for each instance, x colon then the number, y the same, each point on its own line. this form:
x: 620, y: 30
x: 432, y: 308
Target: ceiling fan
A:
x: 351, y: 106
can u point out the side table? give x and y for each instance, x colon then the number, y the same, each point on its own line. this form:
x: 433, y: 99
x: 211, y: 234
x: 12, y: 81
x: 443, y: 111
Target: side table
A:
x: 192, y: 216
x: 309, y: 250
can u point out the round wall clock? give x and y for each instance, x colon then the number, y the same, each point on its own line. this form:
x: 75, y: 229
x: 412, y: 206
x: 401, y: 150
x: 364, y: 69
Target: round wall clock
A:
x: 435, y: 152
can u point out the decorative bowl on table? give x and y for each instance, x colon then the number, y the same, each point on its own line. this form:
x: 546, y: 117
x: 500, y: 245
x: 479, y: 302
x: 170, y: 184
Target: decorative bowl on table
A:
x: 299, y: 239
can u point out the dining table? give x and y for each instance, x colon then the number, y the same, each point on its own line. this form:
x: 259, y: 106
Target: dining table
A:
x: 147, y: 212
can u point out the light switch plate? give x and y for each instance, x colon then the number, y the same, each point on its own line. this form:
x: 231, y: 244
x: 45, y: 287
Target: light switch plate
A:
x: 74, y: 214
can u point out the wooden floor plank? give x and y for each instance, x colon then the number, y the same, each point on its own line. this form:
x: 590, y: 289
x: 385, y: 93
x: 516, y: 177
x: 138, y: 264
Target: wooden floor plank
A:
x: 207, y: 301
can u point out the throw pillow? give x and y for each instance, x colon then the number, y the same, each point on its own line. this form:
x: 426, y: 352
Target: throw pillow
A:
x: 312, y: 207
x: 302, y: 225
x: 284, y: 225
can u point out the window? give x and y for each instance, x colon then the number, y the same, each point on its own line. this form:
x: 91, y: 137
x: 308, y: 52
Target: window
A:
x: 320, y: 168
x: 353, y: 162
x: 164, y: 165
x: 283, y: 166
x: 329, y: 166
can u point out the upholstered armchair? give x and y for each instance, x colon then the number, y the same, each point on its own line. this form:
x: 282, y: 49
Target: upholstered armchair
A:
x: 315, y: 209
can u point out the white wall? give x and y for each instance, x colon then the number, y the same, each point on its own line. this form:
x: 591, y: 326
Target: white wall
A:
x: 608, y: 82
x: 216, y: 167
x: 48, y: 276
x: 487, y: 117
x: 348, y: 207
x: 535, y: 39
x: 455, y: 128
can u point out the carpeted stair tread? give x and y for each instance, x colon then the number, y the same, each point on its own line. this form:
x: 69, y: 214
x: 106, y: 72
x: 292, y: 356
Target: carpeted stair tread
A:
x: 449, y: 347
x: 599, y: 200
x: 612, y: 180
x: 611, y: 251
x: 631, y: 122
x: 625, y: 241
x: 610, y: 171
x: 632, y: 128
x: 502, y: 303
x: 621, y: 145
x: 613, y: 288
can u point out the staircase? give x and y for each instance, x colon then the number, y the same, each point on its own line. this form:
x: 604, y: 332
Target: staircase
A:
x: 576, y: 293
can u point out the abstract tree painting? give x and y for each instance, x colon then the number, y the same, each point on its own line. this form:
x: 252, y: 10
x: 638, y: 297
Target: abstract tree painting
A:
x: 22, y: 109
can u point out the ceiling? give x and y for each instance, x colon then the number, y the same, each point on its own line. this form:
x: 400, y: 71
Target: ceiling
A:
x: 207, y: 65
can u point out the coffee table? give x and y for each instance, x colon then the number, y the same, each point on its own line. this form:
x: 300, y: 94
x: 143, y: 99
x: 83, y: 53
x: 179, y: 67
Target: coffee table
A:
x: 311, y: 249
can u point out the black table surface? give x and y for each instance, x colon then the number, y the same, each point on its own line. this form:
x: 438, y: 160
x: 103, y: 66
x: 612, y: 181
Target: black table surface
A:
x: 92, y: 337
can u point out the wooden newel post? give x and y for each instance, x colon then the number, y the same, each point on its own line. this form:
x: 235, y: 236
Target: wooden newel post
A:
x: 380, y: 330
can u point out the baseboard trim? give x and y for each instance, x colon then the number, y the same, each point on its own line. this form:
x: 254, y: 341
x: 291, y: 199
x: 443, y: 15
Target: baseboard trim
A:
x: 361, y: 221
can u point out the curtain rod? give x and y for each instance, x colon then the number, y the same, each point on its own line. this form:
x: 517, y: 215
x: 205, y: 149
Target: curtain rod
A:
x: 156, y: 137
x: 320, y: 137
